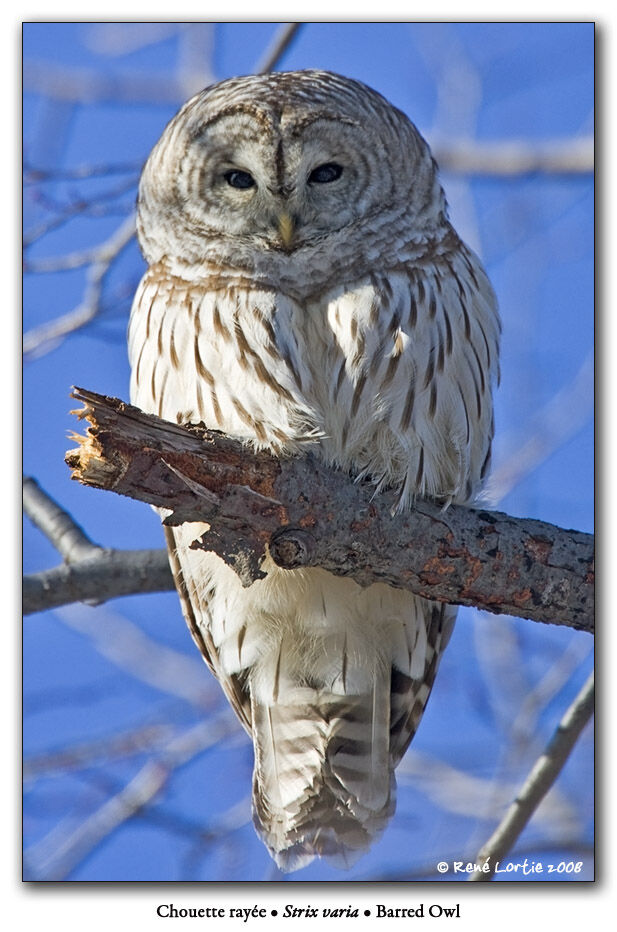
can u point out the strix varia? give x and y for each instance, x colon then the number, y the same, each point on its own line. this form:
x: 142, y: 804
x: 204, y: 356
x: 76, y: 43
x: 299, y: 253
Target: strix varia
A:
x: 306, y: 288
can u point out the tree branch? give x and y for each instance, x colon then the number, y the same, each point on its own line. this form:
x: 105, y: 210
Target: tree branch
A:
x: 90, y: 573
x: 304, y: 513
x: 514, y: 158
x: 53, y: 332
x: 56, y: 524
x: 107, y: 575
x: 539, y: 781
x: 58, y: 853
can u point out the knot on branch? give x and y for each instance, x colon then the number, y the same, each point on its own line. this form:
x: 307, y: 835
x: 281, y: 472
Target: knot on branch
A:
x: 291, y: 548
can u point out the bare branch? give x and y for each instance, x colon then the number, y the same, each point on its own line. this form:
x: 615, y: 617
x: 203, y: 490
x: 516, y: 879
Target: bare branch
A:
x: 515, y: 158
x: 541, y: 778
x: 89, y: 753
x: 108, y: 574
x: 256, y: 502
x: 277, y: 48
x: 131, y: 650
x: 91, y: 573
x: 40, y: 338
x: 56, y: 524
x: 60, y: 851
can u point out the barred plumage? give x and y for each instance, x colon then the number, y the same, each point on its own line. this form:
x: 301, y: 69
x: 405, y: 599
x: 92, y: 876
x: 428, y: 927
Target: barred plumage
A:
x: 339, y: 310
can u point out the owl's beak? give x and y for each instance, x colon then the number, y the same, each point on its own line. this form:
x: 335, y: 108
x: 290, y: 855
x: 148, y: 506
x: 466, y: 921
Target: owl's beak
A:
x: 286, y: 229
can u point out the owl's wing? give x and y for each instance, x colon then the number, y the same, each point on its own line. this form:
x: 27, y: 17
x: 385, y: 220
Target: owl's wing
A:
x: 217, y: 352
x: 195, y: 610
x: 409, y: 693
x: 410, y: 397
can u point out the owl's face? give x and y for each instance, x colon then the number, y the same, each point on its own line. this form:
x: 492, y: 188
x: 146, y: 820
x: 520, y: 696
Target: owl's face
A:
x: 281, y: 178
x: 280, y: 163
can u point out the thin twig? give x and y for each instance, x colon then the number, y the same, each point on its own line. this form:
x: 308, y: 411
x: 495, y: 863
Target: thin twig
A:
x: 89, y: 87
x: 60, y: 851
x: 195, y: 57
x: 457, y: 791
x: 87, y: 754
x: 40, y: 338
x: 524, y: 724
x: 277, y: 48
x: 539, y: 781
x: 66, y: 263
x: 100, y: 205
x: 566, y: 413
x: 117, y: 39
x: 131, y: 650
x: 34, y: 175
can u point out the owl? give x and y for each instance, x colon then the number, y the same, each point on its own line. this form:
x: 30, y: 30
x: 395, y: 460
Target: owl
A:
x: 306, y: 291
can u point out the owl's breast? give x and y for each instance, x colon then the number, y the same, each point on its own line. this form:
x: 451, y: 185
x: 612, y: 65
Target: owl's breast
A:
x: 226, y: 351
x: 374, y: 371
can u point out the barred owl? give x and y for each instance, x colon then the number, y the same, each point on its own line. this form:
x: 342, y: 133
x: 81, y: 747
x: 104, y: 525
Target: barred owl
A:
x: 306, y: 290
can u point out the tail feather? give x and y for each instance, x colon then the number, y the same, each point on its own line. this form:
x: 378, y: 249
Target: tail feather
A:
x: 330, y: 680
x: 324, y: 763
x: 320, y: 787
x: 358, y: 751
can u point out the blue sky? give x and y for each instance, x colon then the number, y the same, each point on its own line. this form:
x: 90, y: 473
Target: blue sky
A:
x: 487, y: 82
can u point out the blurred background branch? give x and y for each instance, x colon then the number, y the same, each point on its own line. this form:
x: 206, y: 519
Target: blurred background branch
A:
x: 542, y: 776
x: 90, y: 573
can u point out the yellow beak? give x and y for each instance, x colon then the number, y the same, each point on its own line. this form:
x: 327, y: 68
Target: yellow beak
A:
x: 286, y: 229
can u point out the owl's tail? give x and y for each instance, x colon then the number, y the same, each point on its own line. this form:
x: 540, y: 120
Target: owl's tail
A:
x: 324, y: 780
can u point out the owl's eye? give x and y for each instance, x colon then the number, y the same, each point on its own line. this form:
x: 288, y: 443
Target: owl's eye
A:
x: 239, y: 179
x: 324, y: 174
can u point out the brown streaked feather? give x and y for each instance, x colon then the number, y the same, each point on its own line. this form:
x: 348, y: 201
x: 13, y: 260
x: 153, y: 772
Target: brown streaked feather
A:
x: 420, y: 470
x: 232, y: 686
x: 449, y: 342
x: 173, y: 355
x: 409, y: 402
x: 355, y: 401
x: 216, y: 408
x: 408, y: 695
x: 201, y: 369
x: 432, y: 407
x: 161, y: 393
x: 218, y: 325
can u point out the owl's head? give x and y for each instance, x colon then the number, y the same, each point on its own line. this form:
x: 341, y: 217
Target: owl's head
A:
x: 274, y: 165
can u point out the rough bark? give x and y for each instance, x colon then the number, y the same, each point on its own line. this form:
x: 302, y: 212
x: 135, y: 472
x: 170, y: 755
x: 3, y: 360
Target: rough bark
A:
x: 308, y: 514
